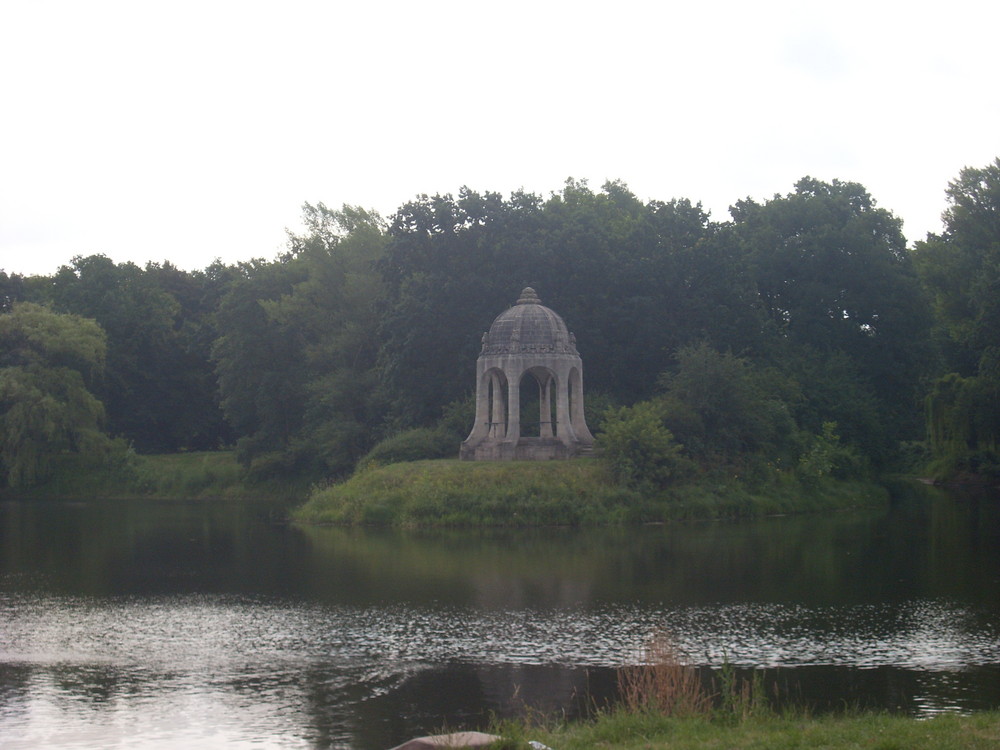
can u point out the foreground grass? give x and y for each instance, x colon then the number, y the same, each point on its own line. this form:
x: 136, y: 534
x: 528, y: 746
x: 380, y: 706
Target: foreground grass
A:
x: 193, y: 475
x: 540, y: 493
x: 666, y: 704
x: 871, y: 731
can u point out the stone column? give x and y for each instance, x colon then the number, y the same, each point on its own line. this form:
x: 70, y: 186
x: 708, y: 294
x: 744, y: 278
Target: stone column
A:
x: 545, y: 408
x: 498, y: 426
x: 513, y: 408
x: 480, y: 428
x: 565, y: 425
x: 579, y: 420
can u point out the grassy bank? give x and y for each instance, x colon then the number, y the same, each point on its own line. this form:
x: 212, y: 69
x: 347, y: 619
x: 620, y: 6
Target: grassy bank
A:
x: 666, y: 704
x: 578, y: 492
x: 872, y: 731
x: 195, y: 475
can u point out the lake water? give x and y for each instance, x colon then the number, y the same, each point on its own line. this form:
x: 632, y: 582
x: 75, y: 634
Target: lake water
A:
x: 161, y: 624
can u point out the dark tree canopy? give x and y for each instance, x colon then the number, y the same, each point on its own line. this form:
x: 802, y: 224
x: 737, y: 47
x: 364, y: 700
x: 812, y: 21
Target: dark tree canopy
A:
x: 804, y: 318
x: 297, y: 349
x: 833, y: 277
x: 159, y: 390
x: 633, y: 280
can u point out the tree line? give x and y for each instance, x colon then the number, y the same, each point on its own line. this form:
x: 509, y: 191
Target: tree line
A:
x: 800, y: 331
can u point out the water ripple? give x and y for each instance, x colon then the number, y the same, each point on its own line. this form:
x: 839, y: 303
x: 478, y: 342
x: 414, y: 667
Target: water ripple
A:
x: 230, y: 636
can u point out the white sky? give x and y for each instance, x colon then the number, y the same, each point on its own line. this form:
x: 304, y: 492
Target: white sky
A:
x: 186, y: 131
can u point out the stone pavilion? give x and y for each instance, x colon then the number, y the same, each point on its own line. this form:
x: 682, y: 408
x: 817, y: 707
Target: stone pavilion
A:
x: 528, y: 356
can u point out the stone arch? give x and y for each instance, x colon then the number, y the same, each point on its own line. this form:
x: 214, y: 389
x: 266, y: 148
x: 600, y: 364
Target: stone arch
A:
x: 492, y: 397
x: 538, y: 405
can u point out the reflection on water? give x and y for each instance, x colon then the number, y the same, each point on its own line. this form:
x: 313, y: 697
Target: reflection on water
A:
x: 157, y: 624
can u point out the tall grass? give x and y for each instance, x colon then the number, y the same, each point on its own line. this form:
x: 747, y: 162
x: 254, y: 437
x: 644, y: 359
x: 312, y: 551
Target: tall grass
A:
x: 663, y: 684
x: 660, y: 683
x: 193, y: 475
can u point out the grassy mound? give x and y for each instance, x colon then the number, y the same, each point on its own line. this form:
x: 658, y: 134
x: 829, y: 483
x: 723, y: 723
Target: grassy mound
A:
x: 548, y: 493
x: 476, y: 493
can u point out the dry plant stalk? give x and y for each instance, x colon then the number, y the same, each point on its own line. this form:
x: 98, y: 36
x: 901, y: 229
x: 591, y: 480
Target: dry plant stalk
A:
x: 662, y: 684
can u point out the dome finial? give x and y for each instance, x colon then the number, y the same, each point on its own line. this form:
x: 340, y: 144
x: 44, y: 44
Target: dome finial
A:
x: 528, y: 297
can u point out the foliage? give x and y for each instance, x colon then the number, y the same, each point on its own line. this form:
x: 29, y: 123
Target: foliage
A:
x: 639, y: 449
x: 48, y: 363
x: 797, y: 311
x: 159, y: 389
x: 473, y: 493
x: 417, y: 444
x: 11, y: 290
x: 832, y: 273
x: 826, y: 456
x: 961, y: 271
x: 547, y: 493
x: 122, y: 473
x: 297, y: 352
x: 963, y: 420
x: 633, y: 280
x: 721, y: 407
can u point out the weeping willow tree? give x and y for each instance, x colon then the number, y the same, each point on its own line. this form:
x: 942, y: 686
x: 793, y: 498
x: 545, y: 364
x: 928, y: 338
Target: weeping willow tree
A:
x: 48, y: 363
x: 963, y: 424
x: 961, y: 270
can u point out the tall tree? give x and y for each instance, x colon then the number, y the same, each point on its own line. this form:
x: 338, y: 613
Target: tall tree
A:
x: 155, y: 390
x: 297, y: 346
x: 832, y: 274
x: 961, y: 271
x: 11, y: 290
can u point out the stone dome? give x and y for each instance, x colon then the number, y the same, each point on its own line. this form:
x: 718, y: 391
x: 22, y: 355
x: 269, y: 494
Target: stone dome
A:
x: 528, y: 326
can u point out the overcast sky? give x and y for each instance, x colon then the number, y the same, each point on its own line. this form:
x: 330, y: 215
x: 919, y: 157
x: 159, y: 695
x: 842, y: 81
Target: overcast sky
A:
x: 188, y: 131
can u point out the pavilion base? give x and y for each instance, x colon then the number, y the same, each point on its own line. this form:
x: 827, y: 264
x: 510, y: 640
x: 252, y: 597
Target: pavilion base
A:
x: 525, y: 449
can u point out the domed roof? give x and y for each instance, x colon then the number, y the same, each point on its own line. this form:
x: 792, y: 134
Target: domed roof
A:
x: 528, y: 326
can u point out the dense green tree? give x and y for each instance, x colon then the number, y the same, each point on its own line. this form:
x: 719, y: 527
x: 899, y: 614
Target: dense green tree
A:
x: 723, y: 408
x: 633, y: 280
x: 334, y: 315
x: 198, y: 422
x: 961, y: 271
x: 258, y: 365
x: 158, y: 388
x: 11, y: 290
x: 298, y: 344
x: 48, y: 365
x: 832, y: 274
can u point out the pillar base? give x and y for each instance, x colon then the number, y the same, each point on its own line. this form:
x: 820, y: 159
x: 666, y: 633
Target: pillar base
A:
x: 525, y: 449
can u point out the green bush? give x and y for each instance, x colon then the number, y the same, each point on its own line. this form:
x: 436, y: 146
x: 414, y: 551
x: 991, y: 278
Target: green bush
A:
x: 639, y: 449
x: 412, y: 445
x: 825, y: 456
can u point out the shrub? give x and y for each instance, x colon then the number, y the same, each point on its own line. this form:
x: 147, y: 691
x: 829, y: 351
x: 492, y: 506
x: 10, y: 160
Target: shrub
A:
x: 825, y: 455
x: 639, y: 449
x: 412, y: 445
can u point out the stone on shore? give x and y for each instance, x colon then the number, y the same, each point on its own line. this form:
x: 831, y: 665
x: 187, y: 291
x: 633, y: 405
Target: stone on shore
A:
x: 454, y: 740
